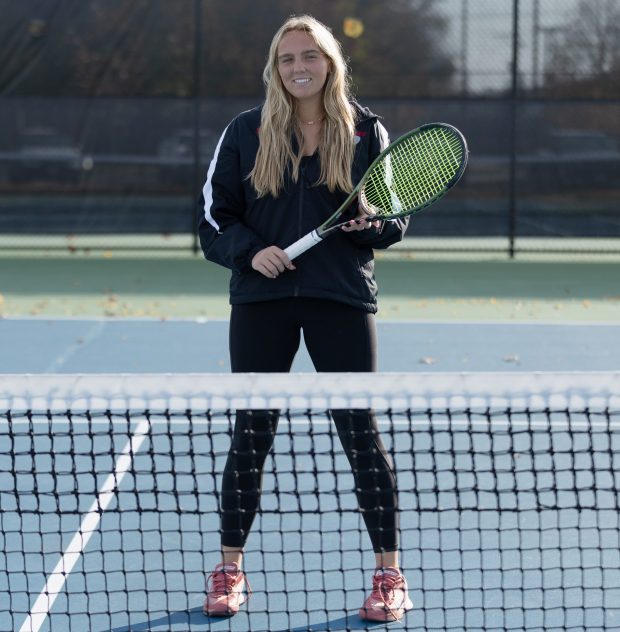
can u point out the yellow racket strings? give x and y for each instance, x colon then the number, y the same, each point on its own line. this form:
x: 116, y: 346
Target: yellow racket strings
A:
x: 414, y: 172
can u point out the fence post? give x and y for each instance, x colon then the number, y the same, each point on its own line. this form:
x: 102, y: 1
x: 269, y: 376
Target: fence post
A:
x: 197, y: 79
x: 512, y: 174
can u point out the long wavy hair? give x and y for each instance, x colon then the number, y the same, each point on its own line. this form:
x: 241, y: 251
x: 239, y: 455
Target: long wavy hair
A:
x: 279, y: 122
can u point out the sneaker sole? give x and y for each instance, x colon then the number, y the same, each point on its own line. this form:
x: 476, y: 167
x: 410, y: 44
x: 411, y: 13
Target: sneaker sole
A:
x: 385, y: 615
x: 222, y: 613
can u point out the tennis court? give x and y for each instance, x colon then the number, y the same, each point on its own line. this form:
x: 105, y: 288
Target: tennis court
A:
x: 473, y: 563
x: 498, y: 389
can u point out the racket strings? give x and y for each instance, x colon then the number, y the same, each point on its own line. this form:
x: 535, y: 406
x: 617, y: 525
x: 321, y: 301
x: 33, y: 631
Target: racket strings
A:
x: 444, y: 154
x: 429, y: 162
x: 414, y: 172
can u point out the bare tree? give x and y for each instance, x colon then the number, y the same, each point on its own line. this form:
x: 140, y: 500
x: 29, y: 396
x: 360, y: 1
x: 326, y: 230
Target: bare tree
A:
x: 584, y: 57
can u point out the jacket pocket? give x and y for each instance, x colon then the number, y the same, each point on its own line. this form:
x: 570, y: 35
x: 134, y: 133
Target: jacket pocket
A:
x: 366, y: 267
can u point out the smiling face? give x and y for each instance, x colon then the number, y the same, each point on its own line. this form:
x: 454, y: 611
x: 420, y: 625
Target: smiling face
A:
x: 302, y: 67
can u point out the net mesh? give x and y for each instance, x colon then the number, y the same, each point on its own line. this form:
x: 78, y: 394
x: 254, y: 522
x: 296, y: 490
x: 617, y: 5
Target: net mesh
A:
x: 415, y: 172
x: 509, y: 497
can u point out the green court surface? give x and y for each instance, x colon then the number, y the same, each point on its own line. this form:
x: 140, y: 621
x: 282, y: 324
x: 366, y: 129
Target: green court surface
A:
x: 469, y: 288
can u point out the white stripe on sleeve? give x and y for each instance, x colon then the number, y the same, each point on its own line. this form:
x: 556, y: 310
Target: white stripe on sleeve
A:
x: 207, y: 189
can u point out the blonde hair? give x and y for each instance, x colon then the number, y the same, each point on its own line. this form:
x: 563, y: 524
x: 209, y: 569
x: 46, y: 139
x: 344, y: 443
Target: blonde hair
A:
x: 279, y: 123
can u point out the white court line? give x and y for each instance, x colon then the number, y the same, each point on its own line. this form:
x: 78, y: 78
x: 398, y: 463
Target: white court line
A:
x: 201, y: 320
x: 387, y: 321
x: 71, y: 350
x: 90, y: 522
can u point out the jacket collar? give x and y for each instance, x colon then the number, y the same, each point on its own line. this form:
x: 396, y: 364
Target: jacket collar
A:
x: 362, y: 113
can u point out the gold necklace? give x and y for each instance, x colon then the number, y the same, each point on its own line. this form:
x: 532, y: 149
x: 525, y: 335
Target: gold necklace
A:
x: 313, y: 122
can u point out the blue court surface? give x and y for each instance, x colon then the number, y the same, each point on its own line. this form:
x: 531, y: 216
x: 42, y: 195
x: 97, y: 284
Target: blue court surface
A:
x: 188, y: 346
x: 471, y: 565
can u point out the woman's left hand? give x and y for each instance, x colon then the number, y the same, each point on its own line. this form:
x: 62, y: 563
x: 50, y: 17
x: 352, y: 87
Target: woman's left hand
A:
x: 361, y: 222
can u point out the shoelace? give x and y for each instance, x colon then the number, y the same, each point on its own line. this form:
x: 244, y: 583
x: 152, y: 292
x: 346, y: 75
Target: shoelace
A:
x: 383, y: 588
x: 223, y: 582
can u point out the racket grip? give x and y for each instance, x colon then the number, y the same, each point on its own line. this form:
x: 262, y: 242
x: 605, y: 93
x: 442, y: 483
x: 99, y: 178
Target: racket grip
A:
x: 303, y: 244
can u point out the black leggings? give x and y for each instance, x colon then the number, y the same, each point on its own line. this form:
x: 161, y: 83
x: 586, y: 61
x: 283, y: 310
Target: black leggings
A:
x: 264, y: 337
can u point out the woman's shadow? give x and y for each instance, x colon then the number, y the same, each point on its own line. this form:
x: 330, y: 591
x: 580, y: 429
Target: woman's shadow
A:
x: 199, y: 621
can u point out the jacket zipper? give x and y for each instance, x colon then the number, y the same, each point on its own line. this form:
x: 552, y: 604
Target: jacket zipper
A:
x: 300, y: 211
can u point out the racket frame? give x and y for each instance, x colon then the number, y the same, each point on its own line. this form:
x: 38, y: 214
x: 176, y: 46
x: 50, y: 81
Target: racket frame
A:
x: 318, y: 234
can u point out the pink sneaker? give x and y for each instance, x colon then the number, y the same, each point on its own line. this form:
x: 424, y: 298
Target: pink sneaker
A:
x: 226, y: 592
x: 389, y: 598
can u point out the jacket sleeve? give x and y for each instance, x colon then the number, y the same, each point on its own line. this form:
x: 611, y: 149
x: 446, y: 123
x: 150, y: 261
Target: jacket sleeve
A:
x: 391, y: 231
x: 224, y: 237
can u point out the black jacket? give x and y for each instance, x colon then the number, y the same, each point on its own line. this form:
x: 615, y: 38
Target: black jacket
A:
x: 236, y: 224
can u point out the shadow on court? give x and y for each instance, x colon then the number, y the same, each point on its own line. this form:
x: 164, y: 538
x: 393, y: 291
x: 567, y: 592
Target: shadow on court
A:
x: 197, y: 620
x: 350, y: 622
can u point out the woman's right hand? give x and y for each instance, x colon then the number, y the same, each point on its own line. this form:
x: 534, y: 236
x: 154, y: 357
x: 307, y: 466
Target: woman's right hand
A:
x: 271, y: 262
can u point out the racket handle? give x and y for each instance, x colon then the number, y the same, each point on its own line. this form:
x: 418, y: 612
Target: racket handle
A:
x: 303, y: 244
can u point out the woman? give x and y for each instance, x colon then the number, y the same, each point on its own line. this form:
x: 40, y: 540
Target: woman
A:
x: 279, y: 171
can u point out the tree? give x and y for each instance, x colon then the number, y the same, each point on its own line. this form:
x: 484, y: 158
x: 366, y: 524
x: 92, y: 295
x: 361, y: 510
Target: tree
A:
x: 128, y: 48
x: 584, y: 57
x: 396, y: 54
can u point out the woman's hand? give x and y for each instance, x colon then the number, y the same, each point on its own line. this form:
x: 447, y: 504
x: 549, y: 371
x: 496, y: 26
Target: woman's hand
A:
x: 271, y: 262
x: 361, y: 222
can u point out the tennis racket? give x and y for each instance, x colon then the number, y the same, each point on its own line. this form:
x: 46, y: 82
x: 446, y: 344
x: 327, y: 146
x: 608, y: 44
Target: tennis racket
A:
x: 412, y: 173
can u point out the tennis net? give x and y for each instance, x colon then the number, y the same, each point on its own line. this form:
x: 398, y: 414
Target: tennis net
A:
x: 509, y: 500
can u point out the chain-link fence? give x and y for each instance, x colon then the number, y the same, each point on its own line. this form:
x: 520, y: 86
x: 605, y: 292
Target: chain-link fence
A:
x: 110, y: 111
